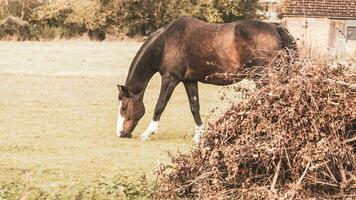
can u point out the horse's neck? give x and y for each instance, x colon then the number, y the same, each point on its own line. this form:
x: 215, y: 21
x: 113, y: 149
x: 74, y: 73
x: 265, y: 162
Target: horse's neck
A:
x: 138, y: 81
x: 145, y: 64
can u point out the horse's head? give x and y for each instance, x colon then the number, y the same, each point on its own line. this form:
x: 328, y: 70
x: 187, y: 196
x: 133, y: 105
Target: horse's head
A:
x: 131, y: 110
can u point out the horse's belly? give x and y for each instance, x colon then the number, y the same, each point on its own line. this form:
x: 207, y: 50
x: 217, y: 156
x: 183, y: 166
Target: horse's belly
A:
x: 220, y: 80
x: 213, y: 72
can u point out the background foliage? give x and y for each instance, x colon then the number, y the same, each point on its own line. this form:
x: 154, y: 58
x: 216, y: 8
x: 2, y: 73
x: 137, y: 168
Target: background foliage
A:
x: 101, y: 19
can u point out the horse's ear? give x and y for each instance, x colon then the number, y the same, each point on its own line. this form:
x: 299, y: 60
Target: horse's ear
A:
x: 123, y: 90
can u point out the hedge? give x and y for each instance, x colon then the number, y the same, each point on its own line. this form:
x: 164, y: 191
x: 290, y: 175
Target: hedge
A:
x: 115, y: 19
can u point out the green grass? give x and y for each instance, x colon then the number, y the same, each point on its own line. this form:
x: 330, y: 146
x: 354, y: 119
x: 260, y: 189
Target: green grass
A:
x: 58, y: 108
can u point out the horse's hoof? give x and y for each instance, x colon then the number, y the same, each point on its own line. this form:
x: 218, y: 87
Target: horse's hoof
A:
x: 197, y: 135
x: 196, y: 139
x: 144, y: 137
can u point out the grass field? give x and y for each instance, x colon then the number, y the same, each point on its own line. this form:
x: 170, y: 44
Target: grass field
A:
x: 58, y: 108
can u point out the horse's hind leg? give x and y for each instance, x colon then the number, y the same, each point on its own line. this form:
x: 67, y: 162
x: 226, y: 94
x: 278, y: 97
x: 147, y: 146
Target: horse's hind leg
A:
x: 193, y: 95
x: 168, y: 84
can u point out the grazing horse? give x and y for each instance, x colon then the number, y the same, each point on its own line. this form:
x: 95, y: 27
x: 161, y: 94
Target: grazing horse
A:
x: 191, y: 51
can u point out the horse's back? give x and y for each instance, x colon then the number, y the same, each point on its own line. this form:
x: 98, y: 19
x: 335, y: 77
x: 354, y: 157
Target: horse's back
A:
x: 194, y: 49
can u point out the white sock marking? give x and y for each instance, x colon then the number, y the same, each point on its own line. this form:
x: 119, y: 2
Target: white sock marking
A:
x: 120, y: 122
x: 152, y: 128
x: 198, y: 131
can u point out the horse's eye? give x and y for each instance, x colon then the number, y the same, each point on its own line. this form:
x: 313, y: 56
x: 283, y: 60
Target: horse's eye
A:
x: 124, y: 108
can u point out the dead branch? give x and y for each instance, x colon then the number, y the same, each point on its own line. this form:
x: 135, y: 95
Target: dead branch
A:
x: 304, y: 173
x: 342, y: 83
x: 300, y: 180
x: 276, y: 174
x: 343, y: 174
x: 350, y: 140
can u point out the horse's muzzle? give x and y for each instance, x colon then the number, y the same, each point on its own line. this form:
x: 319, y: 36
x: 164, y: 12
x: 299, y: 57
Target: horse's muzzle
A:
x: 123, y: 134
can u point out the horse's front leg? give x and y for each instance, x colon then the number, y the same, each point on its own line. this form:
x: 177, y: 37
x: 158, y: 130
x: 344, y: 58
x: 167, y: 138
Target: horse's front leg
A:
x: 168, y: 84
x: 193, y: 95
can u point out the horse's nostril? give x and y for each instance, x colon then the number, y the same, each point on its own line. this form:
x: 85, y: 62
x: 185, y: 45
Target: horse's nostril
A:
x: 123, y: 134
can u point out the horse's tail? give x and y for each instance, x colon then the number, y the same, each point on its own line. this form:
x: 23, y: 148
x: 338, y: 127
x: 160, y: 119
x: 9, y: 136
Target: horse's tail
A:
x: 287, y: 40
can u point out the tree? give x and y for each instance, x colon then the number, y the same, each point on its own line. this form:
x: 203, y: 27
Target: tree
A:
x: 142, y: 17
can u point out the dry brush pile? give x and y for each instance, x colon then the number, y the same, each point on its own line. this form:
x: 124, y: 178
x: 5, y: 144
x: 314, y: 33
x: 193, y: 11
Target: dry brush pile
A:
x: 291, y: 138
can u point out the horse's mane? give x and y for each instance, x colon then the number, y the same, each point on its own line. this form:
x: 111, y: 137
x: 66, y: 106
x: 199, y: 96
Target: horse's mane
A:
x: 150, y: 40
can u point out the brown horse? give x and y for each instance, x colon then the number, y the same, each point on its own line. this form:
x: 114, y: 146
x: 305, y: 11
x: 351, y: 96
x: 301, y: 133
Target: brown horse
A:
x: 189, y: 50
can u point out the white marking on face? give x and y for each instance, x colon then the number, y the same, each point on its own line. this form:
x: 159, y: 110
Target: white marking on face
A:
x: 152, y: 128
x: 195, y: 98
x: 120, y: 122
x: 197, y: 135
